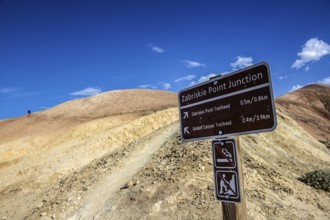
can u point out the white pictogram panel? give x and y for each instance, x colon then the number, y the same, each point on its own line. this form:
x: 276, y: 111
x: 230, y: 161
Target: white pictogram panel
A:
x: 227, y: 185
x: 226, y: 173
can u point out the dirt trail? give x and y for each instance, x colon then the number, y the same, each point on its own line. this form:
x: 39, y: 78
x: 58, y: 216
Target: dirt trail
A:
x: 50, y: 174
x: 94, y: 202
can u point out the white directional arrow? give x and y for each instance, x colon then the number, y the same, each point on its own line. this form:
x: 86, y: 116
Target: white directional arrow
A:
x: 185, y: 115
x: 186, y: 130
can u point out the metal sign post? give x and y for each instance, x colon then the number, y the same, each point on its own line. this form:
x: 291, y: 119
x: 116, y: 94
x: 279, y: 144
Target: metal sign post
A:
x: 233, y: 104
x: 229, y: 186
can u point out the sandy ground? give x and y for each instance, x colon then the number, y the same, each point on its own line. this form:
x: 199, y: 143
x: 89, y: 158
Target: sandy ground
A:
x: 135, y: 166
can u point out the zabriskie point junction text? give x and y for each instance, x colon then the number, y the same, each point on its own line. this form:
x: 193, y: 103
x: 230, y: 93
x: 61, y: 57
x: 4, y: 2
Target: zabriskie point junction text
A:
x: 251, y: 78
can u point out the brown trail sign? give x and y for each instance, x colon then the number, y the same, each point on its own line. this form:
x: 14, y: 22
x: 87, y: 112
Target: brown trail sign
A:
x: 234, y: 104
x: 238, y: 103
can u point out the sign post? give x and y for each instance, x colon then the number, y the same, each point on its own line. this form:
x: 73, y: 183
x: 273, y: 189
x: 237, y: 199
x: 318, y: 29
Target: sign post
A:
x: 237, y: 211
x: 238, y: 103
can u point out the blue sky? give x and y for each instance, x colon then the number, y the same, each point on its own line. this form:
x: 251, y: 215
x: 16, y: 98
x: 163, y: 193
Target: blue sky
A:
x: 55, y: 51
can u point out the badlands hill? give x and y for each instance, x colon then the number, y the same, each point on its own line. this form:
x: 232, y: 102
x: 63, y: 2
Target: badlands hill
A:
x: 310, y: 107
x: 119, y: 155
x: 37, y: 151
x: 117, y: 105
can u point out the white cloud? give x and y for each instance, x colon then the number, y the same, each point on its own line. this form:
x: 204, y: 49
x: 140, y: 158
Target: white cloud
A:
x: 192, y: 64
x: 144, y: 86
x: 282, y: 77
x: 90, y: 91
x: 325, y: 81
x: 156, y: 49
x: 307, y: 68
x: 166, y: 85
x: 192, y: 83
x: 313, y: 50
x: 241, y: 62
x: 203, y: 79
x: 147, y: 86
x: 185, y: 78
x: 161, y: 84
x: 295, y: 87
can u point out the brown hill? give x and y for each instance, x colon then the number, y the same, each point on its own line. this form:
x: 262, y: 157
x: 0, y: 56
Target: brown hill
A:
x: 310, y: 107
x: 124, y: 105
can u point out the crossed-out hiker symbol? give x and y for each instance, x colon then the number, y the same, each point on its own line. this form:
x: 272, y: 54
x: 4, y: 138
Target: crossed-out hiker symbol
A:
x: 227, y: 188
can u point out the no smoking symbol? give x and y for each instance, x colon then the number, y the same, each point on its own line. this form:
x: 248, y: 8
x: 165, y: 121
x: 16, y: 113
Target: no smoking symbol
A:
x: 225, y: 155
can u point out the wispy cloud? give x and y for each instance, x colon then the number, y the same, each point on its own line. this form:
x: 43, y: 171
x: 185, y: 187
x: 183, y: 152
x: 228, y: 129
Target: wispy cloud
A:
x: 147, y: 86
x: 185, y: 78
x: 89, y: 91
x: 156, y: 48
x: 166, y: 85
x: 203, y: 78
x: 295, y: 87
x: 8, y: 90
x: 12, y: 93
x: 325, y: 81
x: 162, y: 85
x: 313, y: 50
x: 192, y: 64
x: 241, y: 62
x: 23, y: 94
x: 282, y: 77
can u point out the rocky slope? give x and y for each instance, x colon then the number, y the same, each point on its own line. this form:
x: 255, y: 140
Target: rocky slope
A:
x: 178, y: 182
x: 310, y: 107
x: 135, y: 166
x: 37, y: 151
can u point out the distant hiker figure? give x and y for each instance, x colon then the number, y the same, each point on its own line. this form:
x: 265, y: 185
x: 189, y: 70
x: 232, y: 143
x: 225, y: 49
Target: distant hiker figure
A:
x: 29, y: 112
